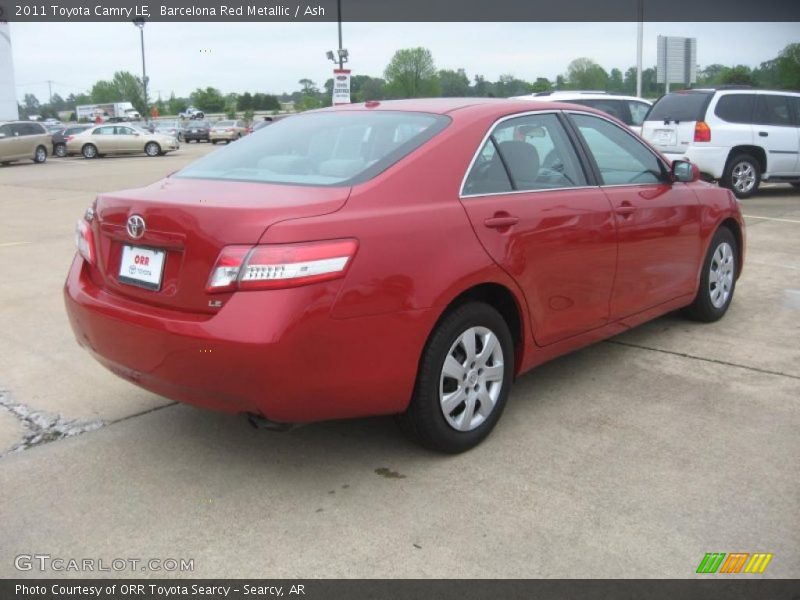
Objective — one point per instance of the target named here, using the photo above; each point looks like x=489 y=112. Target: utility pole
x=140 y=24
x=50 y=90
x=639 y=42
x=341 y=56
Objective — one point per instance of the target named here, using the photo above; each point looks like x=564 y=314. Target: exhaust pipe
x=260 y=422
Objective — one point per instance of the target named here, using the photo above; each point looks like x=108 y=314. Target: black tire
x=60 y=150
x=730 y=177
x=40 y=155
x=152 y=149
x=89 y=151
x=424 y=420
x=703 y=308
x=796 y=185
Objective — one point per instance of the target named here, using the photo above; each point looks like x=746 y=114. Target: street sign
x=676 y=60
x=341 y=86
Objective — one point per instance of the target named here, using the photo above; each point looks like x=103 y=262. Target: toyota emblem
x=135 y=227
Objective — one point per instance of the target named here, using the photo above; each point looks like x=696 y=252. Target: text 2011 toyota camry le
x=408 y=257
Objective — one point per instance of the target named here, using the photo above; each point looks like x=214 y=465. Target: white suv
x=737 y=136
x=628 y=109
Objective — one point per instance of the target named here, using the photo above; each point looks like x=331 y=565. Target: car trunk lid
x=187 y=222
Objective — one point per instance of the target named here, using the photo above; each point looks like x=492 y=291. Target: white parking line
x=9 y=244
x=771 y=219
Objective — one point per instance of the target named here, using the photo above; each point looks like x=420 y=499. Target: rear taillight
x=68 y=138
x=84 y=240
x=702 y=132
x=280 y=266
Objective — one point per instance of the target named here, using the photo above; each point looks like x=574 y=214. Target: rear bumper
x=222 y=135
x=709 y=159
x=195 y=136
x=275 y=353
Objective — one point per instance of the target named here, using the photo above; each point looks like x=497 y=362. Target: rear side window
x=324 y=148
x=32 y=129
x=736 y=108
x=680 y=106
x=615 y=108
x=525 y=154
x=639 y=111
x=619 y=156
x=773 y=110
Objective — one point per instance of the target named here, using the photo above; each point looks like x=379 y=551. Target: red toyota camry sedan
x=408 y=258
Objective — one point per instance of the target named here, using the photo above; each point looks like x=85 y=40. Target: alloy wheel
x=743 y=177
x=721 y=274
x=471 y=379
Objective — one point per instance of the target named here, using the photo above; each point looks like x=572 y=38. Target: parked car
x=173 y=128
x=227 y=131
x=735 y=135
x=100 y=140
x=628 y=109
x=407 y=257
x=59 y=138
x=192 y=113
x=22 y=140
x=197 y=131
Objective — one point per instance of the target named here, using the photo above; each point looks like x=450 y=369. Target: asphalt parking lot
x=631 y=458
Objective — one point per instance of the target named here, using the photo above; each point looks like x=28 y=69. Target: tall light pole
x=339 y=9
x=639 y=43
x=139 y=22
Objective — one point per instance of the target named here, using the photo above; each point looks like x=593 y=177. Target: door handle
x=763 y=133
x=626 y=209
x=501 y=221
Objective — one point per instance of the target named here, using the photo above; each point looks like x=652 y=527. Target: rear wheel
x=89 y=151
x=742 y=175
x=718 y=279
x=40 y=155
x=60 y=150
x=463 y=381
x=152 y=149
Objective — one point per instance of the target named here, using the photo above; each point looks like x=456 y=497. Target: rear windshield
x=326 y=148
x=224 y=123
x=680 y=106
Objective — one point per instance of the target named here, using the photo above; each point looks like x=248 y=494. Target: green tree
x=309 y=88
x=455 y=84
x=616 y=83
x=245 y=102
x=412 y=74
x=508 y=85
x=482 y=88
x=585 y=74
x=209 y=100
x=788 y=67
x=738 y=75
x=31 y=105
x=176 y=105
x=542 y=84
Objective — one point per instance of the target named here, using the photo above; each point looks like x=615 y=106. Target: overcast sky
x=269 y=57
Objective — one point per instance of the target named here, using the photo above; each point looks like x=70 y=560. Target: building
x=8 y=91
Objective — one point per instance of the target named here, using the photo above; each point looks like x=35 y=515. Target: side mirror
x=684 y=171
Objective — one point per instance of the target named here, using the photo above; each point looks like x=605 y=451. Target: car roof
x=496 y=107
x=570 y=96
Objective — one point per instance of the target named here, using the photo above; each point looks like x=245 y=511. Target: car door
x=21 y=141
x=776 y=131
x=534 y=209
x=658 y=221
x=127 y=140
x=104 y=139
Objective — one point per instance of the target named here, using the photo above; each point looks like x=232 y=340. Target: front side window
x=620 y=157
x=525 y=154
x=325 y=148
x=773 y=110
x=104 y=131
